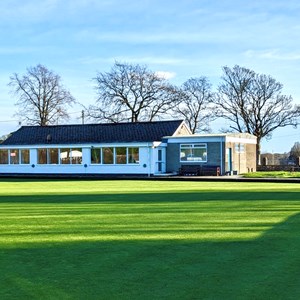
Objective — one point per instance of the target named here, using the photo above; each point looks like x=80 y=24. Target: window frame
x=23 y=156
x=17 y=156
x=76 y=160
x=132 y=155
x=69 y=160
x=119 y=160
x=99 y=150
x=39 y=152
x=50 y=156
x=110 y=154
x=4 y=157
x=192 y=147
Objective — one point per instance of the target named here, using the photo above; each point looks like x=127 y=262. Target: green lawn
x=149 y=240
x=272 y=174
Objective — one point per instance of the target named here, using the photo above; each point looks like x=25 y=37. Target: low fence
x=287 y=168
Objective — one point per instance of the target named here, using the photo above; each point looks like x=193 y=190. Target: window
x=159 y=158
x=115 y=155
x=121 y=155
x=56 y=156
x=76 y=156
x=96 y=155
x=159 y=153
x=14 y=157
x=42 y=156
x=3 y=157
x=193 y=153
x=53 y=156
x=65 y=156
x=108 y=155
x=133 y=155
x=25 y=156
x=159 y=167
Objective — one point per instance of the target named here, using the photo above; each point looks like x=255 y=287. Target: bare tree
x=253 y=103
x=131 y=93
x=42 y=100
x=195 y=104
x=295 y=153
x=4 y=137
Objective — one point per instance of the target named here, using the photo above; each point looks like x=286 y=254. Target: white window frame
x=115 y=156
x=191 y=147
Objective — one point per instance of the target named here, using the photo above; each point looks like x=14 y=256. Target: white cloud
x=27 y=10
x=272 y=54
x=17 y=50
x=165 y=74
x=148 y=60
x=130 y=37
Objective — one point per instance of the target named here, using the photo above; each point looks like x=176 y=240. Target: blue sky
x=182 y=38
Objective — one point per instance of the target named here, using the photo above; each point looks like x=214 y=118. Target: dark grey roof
x=93 y=133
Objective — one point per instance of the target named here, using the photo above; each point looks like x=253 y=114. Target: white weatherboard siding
x=147 y=164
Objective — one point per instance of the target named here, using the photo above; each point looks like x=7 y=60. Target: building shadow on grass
x=184 y=196
x=267 y=267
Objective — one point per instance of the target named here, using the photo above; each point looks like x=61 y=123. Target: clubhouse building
x=144 y=148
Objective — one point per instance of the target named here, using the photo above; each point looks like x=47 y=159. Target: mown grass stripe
x=149 y=240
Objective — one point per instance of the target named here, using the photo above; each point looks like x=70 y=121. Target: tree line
x=251 y=103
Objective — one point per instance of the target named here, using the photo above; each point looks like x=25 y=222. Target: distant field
x=149 y=240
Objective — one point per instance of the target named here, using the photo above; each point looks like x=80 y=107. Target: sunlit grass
x=148 y=240
x=272 y=174
x=106 y=211
x=108 y=221
x=69 y=187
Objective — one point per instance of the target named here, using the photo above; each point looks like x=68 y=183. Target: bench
x=208 y=170
x=199 y=170
x=189 y=170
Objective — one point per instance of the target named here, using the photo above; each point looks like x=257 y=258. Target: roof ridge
x=103 y=124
